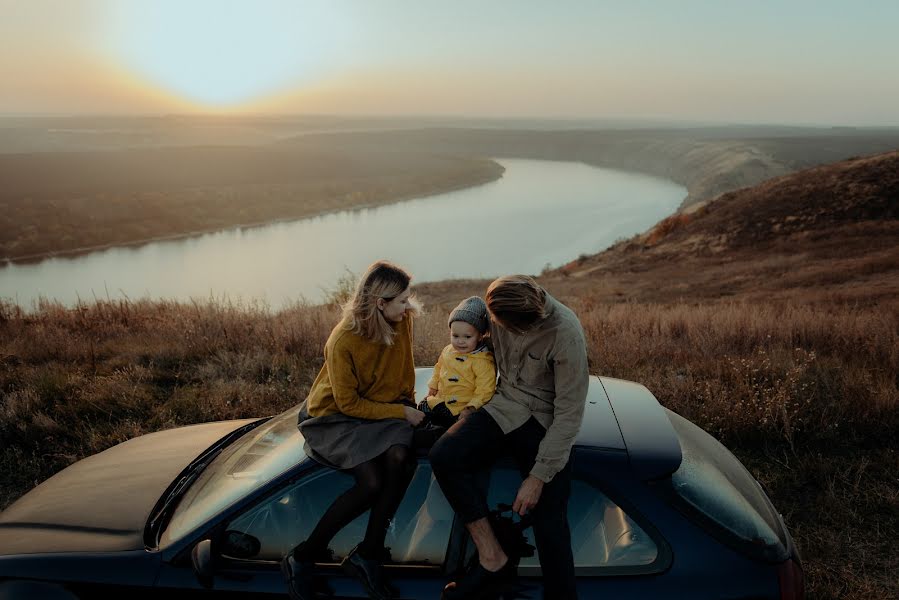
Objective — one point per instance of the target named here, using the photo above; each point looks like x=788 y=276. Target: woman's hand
x=413 y=415
x=466 y=412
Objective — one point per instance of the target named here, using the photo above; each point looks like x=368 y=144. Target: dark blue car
x=659 y=509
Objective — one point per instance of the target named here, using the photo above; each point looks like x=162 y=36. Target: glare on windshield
x=252 y=461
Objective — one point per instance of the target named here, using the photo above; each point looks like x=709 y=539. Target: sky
x=788 y=62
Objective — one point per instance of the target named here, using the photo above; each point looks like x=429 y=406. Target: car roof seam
x=617 y=422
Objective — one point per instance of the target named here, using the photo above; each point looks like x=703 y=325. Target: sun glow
x=225 y=54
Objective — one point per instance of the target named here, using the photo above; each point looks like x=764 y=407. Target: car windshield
x=253 y=460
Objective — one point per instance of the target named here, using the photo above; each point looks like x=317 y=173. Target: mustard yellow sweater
x=362 y=378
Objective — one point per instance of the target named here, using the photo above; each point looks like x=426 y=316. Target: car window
x=716 y=484
x=602 y=534
x=419 y=534
x=253 y=460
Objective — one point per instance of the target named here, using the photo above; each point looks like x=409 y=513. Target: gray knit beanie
x=472 y=310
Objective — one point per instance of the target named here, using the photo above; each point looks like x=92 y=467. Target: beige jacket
x=543 y=374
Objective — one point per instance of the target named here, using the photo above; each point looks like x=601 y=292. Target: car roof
x=651 y=441
x=620 y=416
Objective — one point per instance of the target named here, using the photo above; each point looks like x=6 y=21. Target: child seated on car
x=464 y=377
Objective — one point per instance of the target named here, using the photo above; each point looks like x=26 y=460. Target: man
x=535 y=415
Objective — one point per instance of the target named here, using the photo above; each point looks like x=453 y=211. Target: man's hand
x=528 y=495
x=466 y=412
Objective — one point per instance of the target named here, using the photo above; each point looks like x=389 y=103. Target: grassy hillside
x=828 y=234
x=770 y=318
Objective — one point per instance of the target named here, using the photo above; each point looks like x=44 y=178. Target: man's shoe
x=299 y=577
x=481 y=583
x=369 y=572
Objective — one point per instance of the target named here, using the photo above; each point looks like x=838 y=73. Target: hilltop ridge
x=862 y=190
x=827 y=231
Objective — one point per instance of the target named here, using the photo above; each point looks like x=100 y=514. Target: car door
x=423 y=539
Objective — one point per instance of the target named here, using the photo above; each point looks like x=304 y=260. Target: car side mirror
x=240 y=545
x=204 y=567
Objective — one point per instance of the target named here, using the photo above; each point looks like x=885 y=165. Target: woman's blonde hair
x=382 y=280
x=516 y=301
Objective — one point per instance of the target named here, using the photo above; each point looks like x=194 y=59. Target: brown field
x=805 y=395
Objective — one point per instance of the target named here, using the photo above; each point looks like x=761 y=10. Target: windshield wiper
x=187 y=477
x=178 y=490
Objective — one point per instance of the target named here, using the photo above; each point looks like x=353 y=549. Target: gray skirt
x=343 y=442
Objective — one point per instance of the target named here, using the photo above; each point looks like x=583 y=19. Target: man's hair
x=516 y=301
x=361 y=315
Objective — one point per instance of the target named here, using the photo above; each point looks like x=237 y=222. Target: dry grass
x=666 y=226
x=754 y=371
x=805 y=395
x=77 y=381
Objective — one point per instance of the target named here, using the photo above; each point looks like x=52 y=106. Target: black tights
x=380 y=486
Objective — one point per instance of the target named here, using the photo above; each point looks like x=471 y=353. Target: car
x=658 y=509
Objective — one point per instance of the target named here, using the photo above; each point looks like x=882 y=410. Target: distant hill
x=829 y=234
x=827 y=231
x=73 y=202
x=72 y=184
x=708 y=161
x=820 y=200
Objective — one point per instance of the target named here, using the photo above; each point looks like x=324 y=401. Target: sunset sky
x=798 y=61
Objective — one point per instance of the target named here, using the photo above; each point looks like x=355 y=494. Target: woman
x=358 y=417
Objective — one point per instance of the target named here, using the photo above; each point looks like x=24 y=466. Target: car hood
x=102 y=503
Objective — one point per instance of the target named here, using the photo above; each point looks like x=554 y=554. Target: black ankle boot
x=299 y=576
x=305 y=553
x=298 y=569
x=480 y=583
x=369 y=572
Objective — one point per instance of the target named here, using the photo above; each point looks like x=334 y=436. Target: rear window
x=605 y=540
x=714 y=484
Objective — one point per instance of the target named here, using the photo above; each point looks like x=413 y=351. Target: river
x=539 y=214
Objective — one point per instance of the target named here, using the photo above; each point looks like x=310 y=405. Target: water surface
x=539 y=214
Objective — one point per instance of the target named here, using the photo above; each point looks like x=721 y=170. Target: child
x=465 y=374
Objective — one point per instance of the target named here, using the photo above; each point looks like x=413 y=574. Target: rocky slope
x=828 y=231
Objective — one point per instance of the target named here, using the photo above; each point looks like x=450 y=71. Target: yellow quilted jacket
x=463 y=380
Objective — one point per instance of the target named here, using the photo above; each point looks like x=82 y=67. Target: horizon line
x=445 y=117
